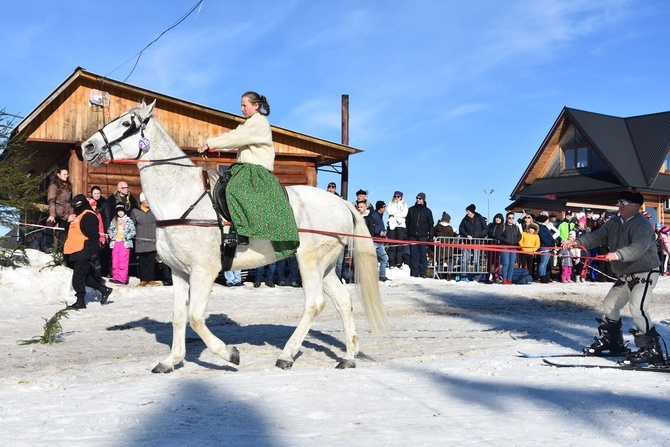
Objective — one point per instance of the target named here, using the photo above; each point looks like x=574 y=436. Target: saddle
x=229 y=240
x=219 y=192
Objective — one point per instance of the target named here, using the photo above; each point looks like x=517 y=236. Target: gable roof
x=633 y=149
x=63 y=119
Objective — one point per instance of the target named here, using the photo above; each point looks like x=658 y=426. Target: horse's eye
x=126 y=124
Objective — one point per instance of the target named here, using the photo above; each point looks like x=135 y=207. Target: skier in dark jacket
x=420 y=227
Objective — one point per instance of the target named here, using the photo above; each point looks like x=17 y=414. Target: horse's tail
x=367 y=274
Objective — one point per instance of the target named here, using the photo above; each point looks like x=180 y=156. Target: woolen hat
x=541 y=218
x=120 y=206
x=446 y=217
x=397 y=193
x=361 y=191
x=633 y=197
x=421 y=196
x=379 y=205
x=332 y=185
x=664 y=229
x=471 y=208
x=78 y=200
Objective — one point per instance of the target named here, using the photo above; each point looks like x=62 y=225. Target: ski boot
x=650 y=349
x=610 y=340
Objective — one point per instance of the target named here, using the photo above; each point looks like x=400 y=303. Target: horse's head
x=121 y=139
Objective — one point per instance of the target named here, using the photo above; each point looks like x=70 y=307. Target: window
x=666 y=165
x=575 y=158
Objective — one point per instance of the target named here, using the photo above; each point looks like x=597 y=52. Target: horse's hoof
x=234 y=356
x=283 y=364
x=346 y=364
x=161 y=368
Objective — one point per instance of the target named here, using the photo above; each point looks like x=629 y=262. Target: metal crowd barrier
x=457 y=262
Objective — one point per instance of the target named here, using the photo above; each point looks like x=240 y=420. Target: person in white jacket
x=397 y=228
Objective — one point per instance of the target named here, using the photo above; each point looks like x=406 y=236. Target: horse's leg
x=312 y=285
x=201 y=288
x=179 y=319
x=343 y=303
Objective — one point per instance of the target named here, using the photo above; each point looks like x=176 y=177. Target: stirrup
x=235 y=239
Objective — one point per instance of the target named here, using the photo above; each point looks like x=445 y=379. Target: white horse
x=172 y=183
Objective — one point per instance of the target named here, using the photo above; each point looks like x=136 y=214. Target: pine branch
x=13 y=256
x=52 y=329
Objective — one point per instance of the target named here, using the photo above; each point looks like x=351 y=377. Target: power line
x=139 y=55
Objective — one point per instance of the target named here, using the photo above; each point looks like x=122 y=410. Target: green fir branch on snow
x=52 y=330
x=13 y=256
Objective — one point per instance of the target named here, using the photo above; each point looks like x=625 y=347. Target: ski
x=649 y=368
x=572 y=354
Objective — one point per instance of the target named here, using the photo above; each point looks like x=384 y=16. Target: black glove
x=97 y=268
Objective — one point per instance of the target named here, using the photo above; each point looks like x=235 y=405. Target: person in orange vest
x=82 y=245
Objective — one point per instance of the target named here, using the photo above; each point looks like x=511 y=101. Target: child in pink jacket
x=121 y=233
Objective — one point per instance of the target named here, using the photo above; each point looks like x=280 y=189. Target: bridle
x=144 y=145
x=133 y=129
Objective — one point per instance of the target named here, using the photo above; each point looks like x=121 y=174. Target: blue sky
x=446 y=97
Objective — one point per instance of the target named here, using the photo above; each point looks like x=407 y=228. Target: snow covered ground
x=448 y=375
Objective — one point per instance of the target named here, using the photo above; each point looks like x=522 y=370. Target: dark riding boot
x=233 y=238
x=610 y=340
x=650 y=348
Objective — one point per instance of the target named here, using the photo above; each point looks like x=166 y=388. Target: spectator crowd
x=528 y=246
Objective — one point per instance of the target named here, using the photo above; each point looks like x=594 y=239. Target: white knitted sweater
x=252 y=139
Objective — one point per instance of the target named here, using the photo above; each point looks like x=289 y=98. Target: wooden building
x=85 y=102
x=588 y=158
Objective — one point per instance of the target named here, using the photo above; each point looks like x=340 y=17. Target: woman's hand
x=203 y=148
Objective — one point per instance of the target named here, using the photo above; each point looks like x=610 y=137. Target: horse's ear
x=147 y=110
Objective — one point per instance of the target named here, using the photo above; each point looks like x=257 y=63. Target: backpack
x=521 y=276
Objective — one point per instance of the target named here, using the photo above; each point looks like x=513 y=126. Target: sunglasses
x=623 y=202
x=510 y=218
x=397 y=197
x=527 y=217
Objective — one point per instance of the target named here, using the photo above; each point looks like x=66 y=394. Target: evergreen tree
x=18 y=190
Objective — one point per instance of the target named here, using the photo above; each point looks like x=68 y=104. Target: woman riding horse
x=258 y=206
